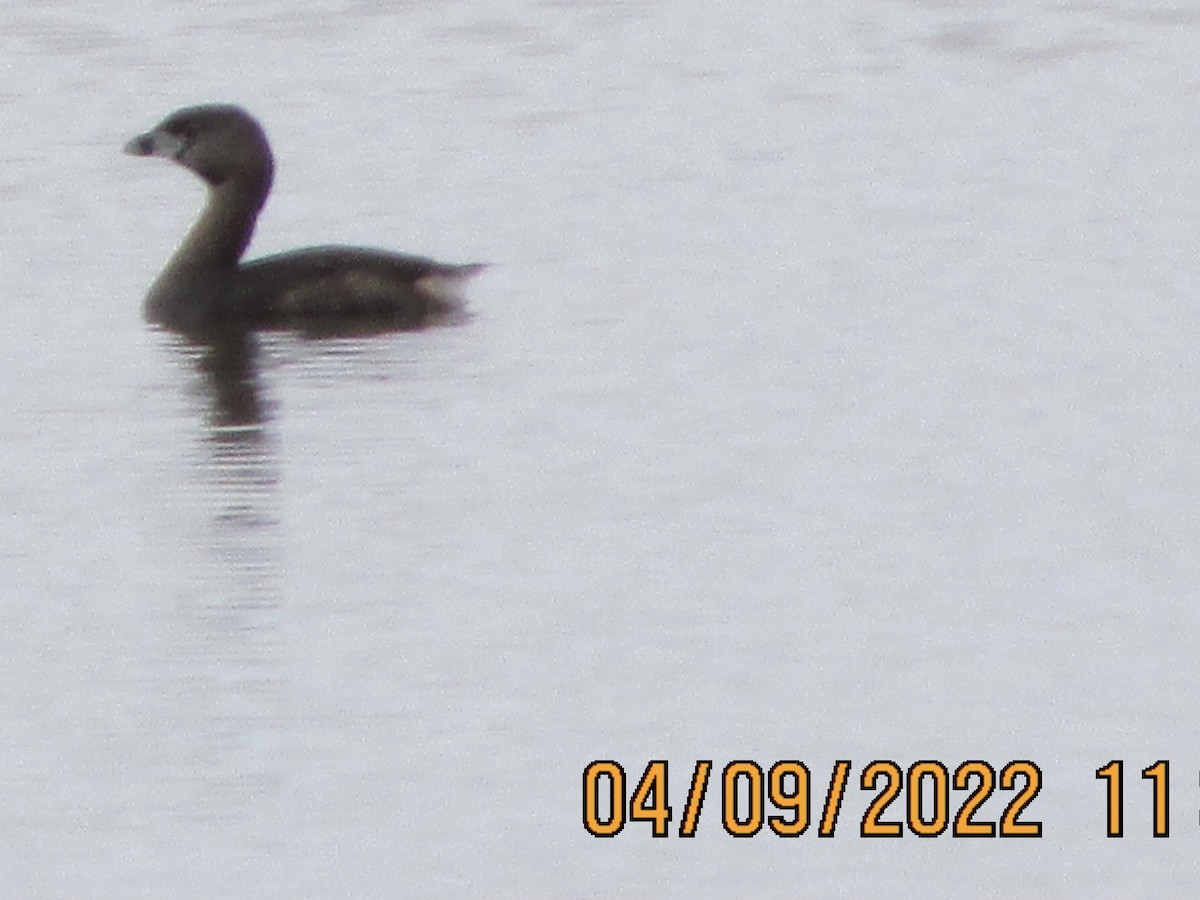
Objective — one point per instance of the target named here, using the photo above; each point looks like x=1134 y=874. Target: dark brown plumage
x=321 y=288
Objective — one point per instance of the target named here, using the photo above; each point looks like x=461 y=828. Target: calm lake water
x=833 y=397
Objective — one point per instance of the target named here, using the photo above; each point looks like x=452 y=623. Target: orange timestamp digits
x=781 y=799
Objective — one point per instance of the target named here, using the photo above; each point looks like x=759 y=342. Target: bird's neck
x=199 y=275
x=223 y=231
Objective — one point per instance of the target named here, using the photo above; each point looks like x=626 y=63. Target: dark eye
x=184 y=130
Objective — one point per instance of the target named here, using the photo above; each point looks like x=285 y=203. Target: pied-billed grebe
x=320 y=287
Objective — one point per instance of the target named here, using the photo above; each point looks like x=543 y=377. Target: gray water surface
x=833 y=397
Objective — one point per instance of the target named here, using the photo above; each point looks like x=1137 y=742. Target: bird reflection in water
x=238 y=468
x=228 y=361
x=227 y=597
